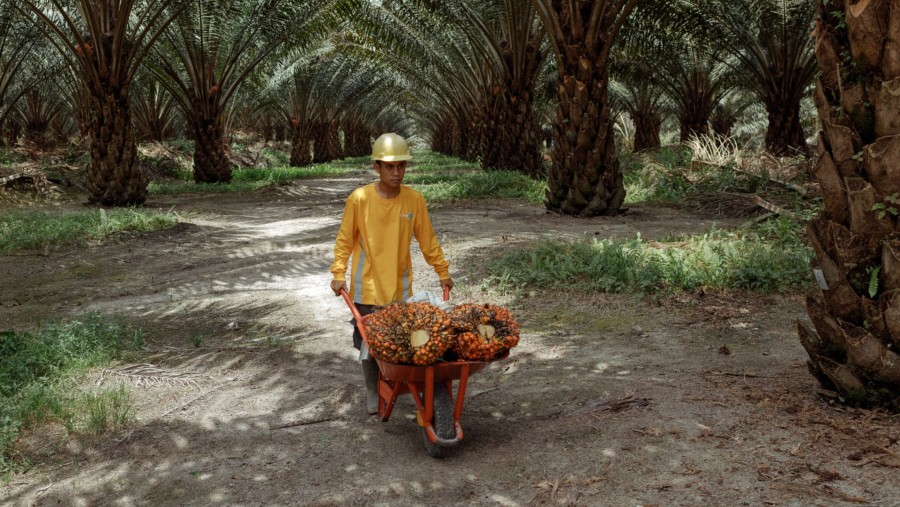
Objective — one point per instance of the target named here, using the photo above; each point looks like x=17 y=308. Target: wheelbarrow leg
x=387 y=396
x=461 y=393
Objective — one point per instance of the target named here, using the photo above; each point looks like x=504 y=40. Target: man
x=379 y=222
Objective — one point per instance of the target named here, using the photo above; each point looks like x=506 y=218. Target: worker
x=379 y=222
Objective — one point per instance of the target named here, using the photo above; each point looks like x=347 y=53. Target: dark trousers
x=363 y=310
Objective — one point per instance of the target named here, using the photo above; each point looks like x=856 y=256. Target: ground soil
x=248 y=392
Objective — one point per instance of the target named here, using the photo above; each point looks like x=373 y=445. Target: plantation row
x=481 y=80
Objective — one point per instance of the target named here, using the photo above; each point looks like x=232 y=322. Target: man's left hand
x=448 y=283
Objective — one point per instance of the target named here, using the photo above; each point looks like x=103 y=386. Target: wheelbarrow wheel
x=443 y=423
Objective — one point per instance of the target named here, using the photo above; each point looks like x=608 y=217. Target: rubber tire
x=444 y=426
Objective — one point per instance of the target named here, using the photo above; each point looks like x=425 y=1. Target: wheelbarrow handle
x=355 y=311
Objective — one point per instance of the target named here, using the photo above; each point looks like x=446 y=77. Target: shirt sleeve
x=428 y=242
x=346 y=239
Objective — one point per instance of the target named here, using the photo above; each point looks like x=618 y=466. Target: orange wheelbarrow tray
x=441 y=427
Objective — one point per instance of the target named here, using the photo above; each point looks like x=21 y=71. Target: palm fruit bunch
x=484 y=331
x=409 y=333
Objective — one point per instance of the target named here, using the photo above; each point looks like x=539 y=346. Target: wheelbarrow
x=431 y=388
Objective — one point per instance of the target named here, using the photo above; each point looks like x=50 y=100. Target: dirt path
x=251 y=395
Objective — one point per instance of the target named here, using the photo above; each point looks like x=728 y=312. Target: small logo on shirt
x=407 y=216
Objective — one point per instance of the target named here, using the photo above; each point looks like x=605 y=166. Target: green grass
x=448 y=186
x=768 y=259
x=651 y=182
x=430 y=161
x=444 y=178
x=9 y=157
x=40 y=373
x=29 y=230
x=662 y=177
x=438 y=177
x=255 y=178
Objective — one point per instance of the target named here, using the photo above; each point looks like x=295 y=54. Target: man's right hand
x=337 y=285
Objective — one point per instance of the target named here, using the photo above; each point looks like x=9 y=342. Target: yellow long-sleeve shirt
x=378 y=233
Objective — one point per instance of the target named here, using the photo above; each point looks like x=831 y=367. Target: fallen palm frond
x=724 y=152
x=29 y=185
x=330 y=409
x=772 y=208
x=148 y=375
x=724 y=204
x=715 y=150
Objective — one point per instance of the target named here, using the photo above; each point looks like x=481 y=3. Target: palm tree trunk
x=211 y=163
x=722 y=124
x=512 y=134
x=784 y=135
x=478 y=132
x=647 y=126
x=301 y=156
x=320 y=143
x=584 y=178
x=326 y=143
x=442 y=142
x=855 y=334
x=460 y=134
x=693 y=123
x=357 y=140
x=36 y=135
x=114 y=178
x=334 y=140
x=11 y=134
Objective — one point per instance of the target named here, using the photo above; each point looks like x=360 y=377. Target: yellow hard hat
x=390 y=148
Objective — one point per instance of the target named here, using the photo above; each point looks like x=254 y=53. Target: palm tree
x=696 y=83
x=212 y=49
x=646 y=104
x=584 y=178
x=729 y=109
x=856 y=315
x=40 y=107
x=510 y=36
x=106 y=41
x=425 y=44
x=767 y=44
x=472 y=67
x=18 y=39
x=155 y=113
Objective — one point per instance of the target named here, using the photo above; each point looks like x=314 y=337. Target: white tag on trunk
x=820 y=278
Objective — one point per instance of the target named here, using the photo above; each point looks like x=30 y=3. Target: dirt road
x=250 y=394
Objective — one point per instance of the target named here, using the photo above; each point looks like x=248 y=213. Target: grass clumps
x=254 y=178
x=40 y=373
x=450 y=186
x=33 y=230
x=770 y=259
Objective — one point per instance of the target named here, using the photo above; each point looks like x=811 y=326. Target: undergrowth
x=438 y=177
x=669 y=176
x=31 y=230
x=768 y=258
x=448 y=186
x=254 y=178
x=9 y=157
x=40 y=375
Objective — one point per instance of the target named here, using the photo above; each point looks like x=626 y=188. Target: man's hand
x=448 y=283
x=337 y=285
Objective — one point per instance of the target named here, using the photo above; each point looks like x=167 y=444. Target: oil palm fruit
x=409 y=333
x=483 y=331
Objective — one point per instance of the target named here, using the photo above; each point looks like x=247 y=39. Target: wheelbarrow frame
x=395 y=380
